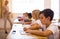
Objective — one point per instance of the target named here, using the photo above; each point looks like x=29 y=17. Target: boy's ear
x=48 y=18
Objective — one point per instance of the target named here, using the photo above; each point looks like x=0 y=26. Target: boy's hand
x=27 y=30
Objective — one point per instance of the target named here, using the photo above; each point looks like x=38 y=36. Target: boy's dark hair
x=48 y=13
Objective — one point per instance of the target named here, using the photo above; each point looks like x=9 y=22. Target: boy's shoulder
x=52 y=24
x=53 y=27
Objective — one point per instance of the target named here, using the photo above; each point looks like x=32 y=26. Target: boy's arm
x=37 y=32
x=27 y=22
x=34 y=26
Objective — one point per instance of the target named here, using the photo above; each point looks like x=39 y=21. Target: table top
x=17 y=32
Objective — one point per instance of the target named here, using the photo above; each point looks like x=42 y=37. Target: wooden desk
x=18 y=33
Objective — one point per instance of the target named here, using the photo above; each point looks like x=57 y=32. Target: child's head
x=29 y=15
x=6 y=2
x=46 y=16
x=25 y=14
x=35 y=14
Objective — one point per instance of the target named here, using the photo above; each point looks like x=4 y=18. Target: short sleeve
x=52 y=28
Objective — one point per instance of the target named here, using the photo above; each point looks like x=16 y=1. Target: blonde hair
x=36 y=13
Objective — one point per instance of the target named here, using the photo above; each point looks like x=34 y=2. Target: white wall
x=55 y=8
x=47 y=3
x=21 y=6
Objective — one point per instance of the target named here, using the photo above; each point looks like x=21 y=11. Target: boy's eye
x=41 y=17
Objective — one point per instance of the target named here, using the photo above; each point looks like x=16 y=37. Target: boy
x=51 y=30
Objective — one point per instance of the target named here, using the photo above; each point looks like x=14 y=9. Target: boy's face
x=43 y=19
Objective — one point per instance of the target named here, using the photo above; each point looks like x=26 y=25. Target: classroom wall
x=15 y=15
x=47 y=4
x=59 y=10
x=0 y=7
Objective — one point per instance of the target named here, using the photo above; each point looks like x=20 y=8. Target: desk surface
x=18 y=33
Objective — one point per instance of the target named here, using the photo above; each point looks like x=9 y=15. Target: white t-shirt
x=40 y=24
x=36 y=21
x=54 y=30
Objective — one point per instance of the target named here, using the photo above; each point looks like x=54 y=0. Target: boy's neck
x=48 y=24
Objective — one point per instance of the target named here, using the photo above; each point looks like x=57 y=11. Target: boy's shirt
x=54 y=30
